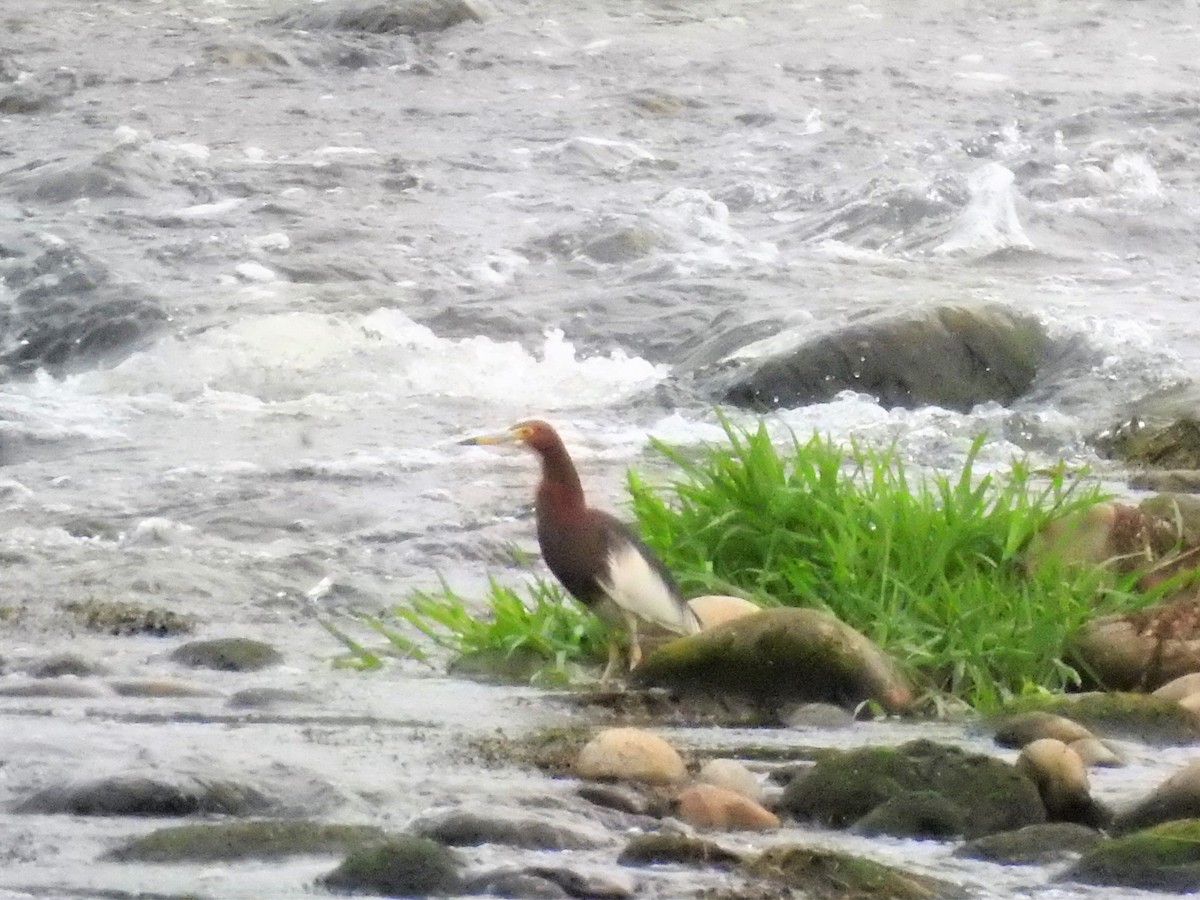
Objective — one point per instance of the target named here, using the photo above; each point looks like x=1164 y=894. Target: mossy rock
x=842 y=789
x=915 y=814
x=1033 y=845
x=829 y=875
x=778 y=657
x=135 y=795
x=123 y=619
x=950 y=356
x=231 y=841
x=401 y=867
x=521 y=666
x=1173 y=446
x=1163 y=858
x=227 y=655
x=655 y=848
x=552 y=750
x=1141 y=717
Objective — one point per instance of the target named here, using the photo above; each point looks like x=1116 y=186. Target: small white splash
x=210 y=210
x=989 y=222
x=275 y=242
x=602 y=153
x=257 y=272
x=156 y=531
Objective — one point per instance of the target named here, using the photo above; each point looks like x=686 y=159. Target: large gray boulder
x=949 y=356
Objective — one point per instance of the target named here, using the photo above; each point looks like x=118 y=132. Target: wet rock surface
x=778 y=657
x=955 y=357
x=137 y=795
x=989 y=795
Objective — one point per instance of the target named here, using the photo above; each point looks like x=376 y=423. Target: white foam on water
x=294 y=356
x=989 y=222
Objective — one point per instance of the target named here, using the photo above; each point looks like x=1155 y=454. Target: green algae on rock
x=227 y=841
x=1032 y=845
x=658 y=847
x=780 y=656
x=1163 y=858
x=829 y=875
x=405 y=866
x=227 y=655
x=842 y=789
x=1142 y=717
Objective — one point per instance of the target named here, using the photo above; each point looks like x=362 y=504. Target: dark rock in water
x=1033 y=845
x=623 y=798
x=463 y=828
x=600 y=885
x=230 y=841
x=1176 y=798
x=117 y=617
x=1141 y=717
x=67 y=313
x=829 y=875
x=915 y=814
x=656 y=848
x=841 y=789
x=513 y=883
x=955 y=357
x=132 y=795
x=228 y=655
x=63 y=664
x=401 y=867
x=1164 y=858
x=396 y=17
x=159 y=687
x=1172 y=446
x=1019 y=729
x=777 y=657
x=68 y=686
x=264 y=697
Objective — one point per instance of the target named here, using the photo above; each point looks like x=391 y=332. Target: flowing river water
x=261 y=272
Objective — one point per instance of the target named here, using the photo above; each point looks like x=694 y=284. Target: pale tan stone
x=732 y=776
x=716 y=609
x=1181 y=687
x=1094 y=752
x=709 y=806
x=631 y=754
x=1059 y=774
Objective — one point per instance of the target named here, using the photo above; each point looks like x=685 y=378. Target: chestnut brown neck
x=560 y=492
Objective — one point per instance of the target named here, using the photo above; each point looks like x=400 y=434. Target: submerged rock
x=1176 y=798
x=227 y=655
x=395 y=17
x=777 y=657
x=829 y=875
x=67 y=312
x=1033 y=845
x=1163 y=858
x=630 y=754
x=952 y=356
x=465 y=828
x=1019 y=729
x=228 y=841
x=401 y=867
x=656 y=848
x=1126 y=715
x=120 y=618
x=513 y=883
x=915 y=814
x=134 y=795
x=60 y=664
x=843 y=788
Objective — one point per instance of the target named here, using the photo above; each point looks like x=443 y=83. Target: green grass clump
x=545 y=624
x=927 y=567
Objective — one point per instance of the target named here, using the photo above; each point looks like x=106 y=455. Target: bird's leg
x=635 y=649
x=614 y=660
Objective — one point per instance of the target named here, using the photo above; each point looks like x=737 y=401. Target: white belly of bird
x=636 y=588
